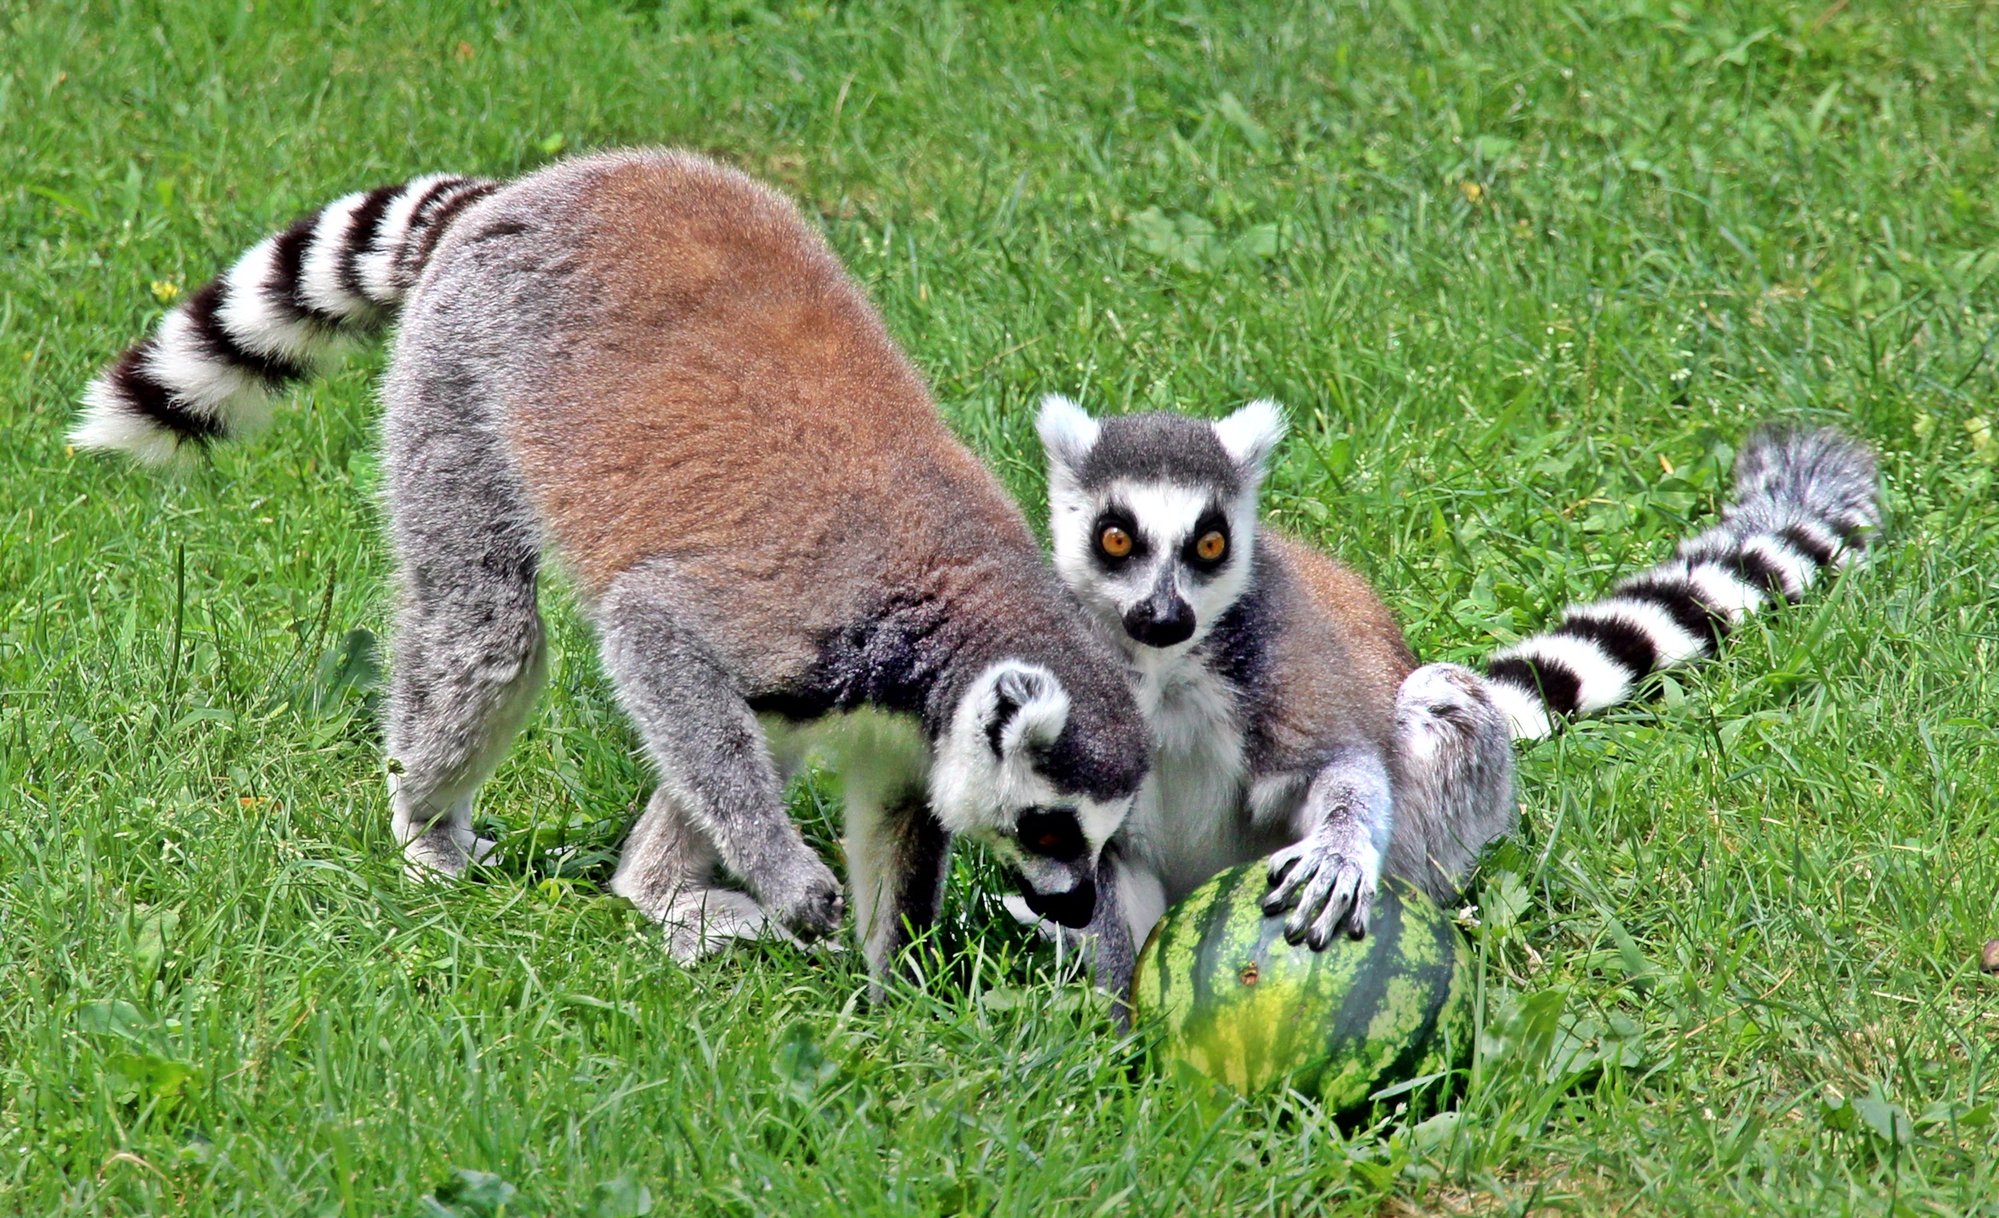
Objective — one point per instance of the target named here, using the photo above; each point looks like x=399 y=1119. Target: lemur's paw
x=804 y=897
x=427 y=867
x=703 y=921
x=443 y=854
x=1325 y=886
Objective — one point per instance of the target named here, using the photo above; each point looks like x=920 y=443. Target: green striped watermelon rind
x=1238 y=1006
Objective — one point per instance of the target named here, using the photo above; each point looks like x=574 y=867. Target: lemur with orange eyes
x=651 y=367
x=1288 y=715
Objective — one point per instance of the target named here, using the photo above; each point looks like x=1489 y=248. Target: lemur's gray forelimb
x=1115 y=955
x=1327 y=878
x=710 y=752
x=1449 y=796
x=1425 y=819
x=668 y=871
x=1106 y=947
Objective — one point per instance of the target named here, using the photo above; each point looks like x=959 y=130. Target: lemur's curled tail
x=1805 y=501
x=209 y=371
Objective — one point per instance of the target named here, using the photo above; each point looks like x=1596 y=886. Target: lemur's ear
x=1067 y=434
x=1251 y=434
x=1026 y=706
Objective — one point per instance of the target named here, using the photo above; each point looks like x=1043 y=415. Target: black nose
x=1071 y=909
x=1160 y=621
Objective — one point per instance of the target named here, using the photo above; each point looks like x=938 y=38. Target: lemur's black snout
x=1071 y=909
x=1160 y=620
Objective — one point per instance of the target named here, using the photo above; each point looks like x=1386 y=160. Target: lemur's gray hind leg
x=469 y=652
x=711 y=756
x=1454 y=784
x=668 y=870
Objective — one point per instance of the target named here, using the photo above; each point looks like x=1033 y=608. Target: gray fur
x=1327 y=878
x=468 y=646
x=910 y=854
x=1454 y=781
x=1167 y=446
x=1110 y=948
x=670 y=870
x=1785 y=475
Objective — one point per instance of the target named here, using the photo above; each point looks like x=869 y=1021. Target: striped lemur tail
x=1805 y=502
x=208 y=373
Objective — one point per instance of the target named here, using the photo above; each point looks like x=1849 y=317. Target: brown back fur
x=730 y=403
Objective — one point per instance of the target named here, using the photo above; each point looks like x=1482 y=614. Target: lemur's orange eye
x=1114 y=541
x=1212 y=546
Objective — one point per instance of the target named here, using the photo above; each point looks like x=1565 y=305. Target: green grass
x=1521 y=271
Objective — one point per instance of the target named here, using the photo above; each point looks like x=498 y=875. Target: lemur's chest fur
x=1207 y=804
x=1191 y=818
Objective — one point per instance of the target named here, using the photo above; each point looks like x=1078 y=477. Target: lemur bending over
x=1288 y=716
x=650 y=365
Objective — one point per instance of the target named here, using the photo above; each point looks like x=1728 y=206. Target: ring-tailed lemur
x=650 y=365
x=1288 y=715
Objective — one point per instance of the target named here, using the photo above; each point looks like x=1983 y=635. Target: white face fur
x=986 y=783
x=1158 y=561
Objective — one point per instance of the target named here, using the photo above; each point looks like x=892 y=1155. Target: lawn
x=1521 y=273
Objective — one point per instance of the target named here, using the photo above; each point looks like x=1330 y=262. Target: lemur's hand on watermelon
x=1327 y=882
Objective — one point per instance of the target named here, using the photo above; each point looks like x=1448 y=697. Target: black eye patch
x=1115 y=520
x=1214 y=520
x=1051 y=833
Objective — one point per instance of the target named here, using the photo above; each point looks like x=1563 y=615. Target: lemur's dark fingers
x=1291 y=881
x=1340 y=899
x=810 y=905
x=1363 y=905
x=1326 y=873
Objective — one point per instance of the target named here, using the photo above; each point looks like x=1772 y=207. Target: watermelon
x=1237 y=1005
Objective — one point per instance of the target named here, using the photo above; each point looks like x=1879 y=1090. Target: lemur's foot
x=444 y=854
x=704 y=921
x=1327 y=885
x=1442 y=706
x=801 y=894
